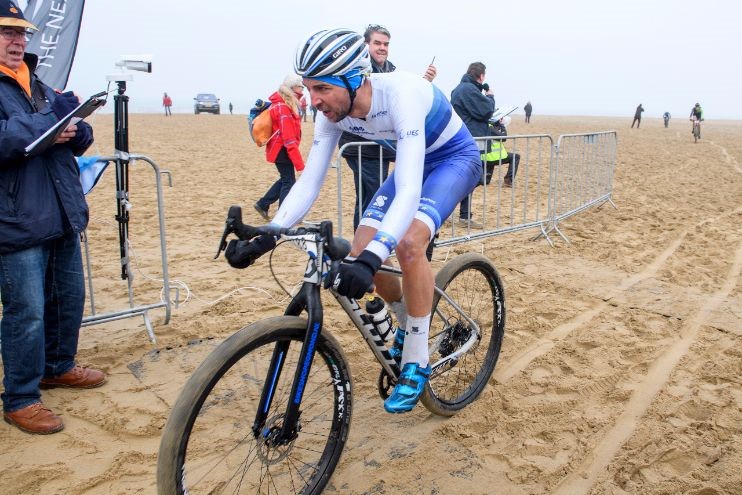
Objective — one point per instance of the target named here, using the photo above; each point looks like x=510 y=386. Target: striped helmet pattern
x=334 y=52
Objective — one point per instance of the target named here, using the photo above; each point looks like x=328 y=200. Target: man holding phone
x=373 y=165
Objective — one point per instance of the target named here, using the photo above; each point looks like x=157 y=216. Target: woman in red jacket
x=283 y=147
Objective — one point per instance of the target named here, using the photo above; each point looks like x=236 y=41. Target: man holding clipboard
x=66 y=123
x=42 y=212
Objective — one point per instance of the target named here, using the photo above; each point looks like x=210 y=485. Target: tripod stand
x=123 y=160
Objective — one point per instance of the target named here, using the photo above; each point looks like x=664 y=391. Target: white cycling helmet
x=334 y=52
x=335 y=56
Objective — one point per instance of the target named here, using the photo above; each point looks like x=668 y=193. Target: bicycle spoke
x=217 y=462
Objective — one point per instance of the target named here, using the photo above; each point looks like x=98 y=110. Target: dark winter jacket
x=41 y=197
x=474 y=108
x=368 y=151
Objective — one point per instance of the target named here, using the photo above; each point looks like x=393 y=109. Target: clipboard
x=502 y=112
x=46 y=140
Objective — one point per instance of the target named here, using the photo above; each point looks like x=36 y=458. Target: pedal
x=385 y=383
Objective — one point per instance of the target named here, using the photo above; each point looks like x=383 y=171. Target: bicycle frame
x=308 y=297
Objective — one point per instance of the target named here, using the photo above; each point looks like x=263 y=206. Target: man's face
x=12 y=46
x=333 y=101
x=378 y=47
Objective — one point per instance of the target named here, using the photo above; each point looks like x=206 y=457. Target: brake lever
x=223 y=241
x=233 y=217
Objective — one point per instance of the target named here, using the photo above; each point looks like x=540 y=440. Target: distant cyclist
x=437 y=165
x=696 y=114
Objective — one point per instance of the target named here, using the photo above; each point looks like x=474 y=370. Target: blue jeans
x=43 y=296
x=370 y=182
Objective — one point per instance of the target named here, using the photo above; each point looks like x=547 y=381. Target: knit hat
x=11 y=15
x=291 y=80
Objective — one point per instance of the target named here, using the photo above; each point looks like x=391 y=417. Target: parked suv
x=206 y=102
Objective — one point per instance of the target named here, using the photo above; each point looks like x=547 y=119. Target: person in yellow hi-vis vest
x=498 y=155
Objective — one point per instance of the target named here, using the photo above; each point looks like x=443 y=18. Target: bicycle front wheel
x=472 y=282
x=210 y=443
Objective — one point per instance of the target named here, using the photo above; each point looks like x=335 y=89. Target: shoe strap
x=409 y=382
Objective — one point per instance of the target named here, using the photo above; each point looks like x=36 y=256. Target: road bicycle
x=269 y=409
x=696 y=129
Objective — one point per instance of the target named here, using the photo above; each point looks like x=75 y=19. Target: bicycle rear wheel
x=473 y=283
x=210 y=445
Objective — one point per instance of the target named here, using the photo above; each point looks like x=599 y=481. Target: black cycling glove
x=356 y=278
x=64 y=103
x=241 y=254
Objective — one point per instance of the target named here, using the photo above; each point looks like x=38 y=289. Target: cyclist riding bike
x=437 y=165
x=696 y=116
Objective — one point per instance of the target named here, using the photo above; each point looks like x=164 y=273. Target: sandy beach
x=621 y=367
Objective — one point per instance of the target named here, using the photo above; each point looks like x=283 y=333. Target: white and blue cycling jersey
x=438 y=162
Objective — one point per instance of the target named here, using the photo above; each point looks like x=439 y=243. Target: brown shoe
x=77 y=377
x=35 y=419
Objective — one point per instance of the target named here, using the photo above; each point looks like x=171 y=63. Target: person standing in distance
x=42 y=213
x=528 y=108
x=437 y=165
x=374 y=163
x=637 y=116
x=167 y=102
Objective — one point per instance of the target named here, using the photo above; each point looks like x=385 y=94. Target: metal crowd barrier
x=551 y=184
x=340 y=167
x=584 y=166
x=501 y=208
x=122 y=162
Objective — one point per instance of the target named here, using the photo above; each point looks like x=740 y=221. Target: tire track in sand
x=580 y=480
x=520 y=361
x=727 y=157
x=543 y=345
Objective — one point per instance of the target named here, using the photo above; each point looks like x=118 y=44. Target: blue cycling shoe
x=407 y=391
x=396 y=351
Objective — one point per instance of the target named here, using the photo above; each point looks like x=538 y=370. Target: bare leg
x=418 y=281
x=388 y=286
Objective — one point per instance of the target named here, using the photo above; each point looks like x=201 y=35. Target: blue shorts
x=445 y=183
